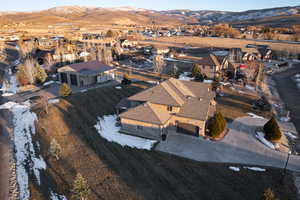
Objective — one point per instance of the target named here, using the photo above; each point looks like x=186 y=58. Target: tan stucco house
x=86 y=73
x=172 y=106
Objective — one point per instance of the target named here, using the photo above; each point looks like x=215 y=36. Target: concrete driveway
x=239 y=146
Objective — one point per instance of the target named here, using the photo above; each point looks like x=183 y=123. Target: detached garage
x=86 y=73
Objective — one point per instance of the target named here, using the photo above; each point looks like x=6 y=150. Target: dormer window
x=170 y=108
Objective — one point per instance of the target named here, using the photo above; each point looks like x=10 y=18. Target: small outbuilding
x=86 y=73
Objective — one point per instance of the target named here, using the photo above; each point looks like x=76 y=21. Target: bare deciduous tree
x=158 y=64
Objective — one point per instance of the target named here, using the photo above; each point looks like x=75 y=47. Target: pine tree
x=81 y=188
x=218 y=125
x=55 y=149
x=40 y=74
x=65 y=90
x=197 y=74
x=272 y=130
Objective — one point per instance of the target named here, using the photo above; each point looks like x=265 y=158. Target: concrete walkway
x=239 y=146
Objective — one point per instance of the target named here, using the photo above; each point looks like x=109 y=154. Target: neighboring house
x=210 y=66
x=86 y=73
x=251 y=54
x=173 y=105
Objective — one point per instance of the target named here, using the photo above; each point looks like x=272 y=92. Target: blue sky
x=227 y=5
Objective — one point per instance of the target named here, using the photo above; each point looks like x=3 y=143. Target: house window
x=170 y=108
x=139 y=127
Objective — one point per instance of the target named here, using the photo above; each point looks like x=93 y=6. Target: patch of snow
x=55 y=196
x=175 y=60
x=236 y=169
x=290 y=135
x=261 y=137
x=8 y=94
x=250 y=88
x=255 y=116
x=153 y=82
x=220 y=53
x=107 y=129
x=53 y=101
x=257 y=169
x=48 y=83
x=118 y=87
x=83 y=54
x=84 y=90
x=208 y=81
x=10 y=86
x=25 y=155
x=285 y=119
x=185 y=76
x=225 y=83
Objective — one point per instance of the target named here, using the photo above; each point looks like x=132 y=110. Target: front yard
x=116 y=172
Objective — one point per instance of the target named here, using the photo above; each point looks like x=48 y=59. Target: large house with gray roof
x=172 y=106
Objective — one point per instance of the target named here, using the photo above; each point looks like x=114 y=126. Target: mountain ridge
x=132 y=15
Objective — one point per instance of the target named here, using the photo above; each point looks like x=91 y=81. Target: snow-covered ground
x=48 y=83
x=54 y=196
x=208 y=81
x=10 y=87
x=118 y=87
x=107 y=129
x=261 y=137
x=153 y=82
x=257 y=169
x=255 y=116
x=220 y=53
x=236 y=169
x=290 y=135
x=53 y=101
x=185 y=76
x=175 y=60
x=27 y=159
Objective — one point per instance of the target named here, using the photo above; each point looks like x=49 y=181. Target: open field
x=114 y=172
x=182 y=41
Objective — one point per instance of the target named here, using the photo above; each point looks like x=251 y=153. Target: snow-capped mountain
x=286 y=16
x=207 y=16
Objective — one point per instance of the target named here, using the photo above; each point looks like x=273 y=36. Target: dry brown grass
x=114 y=172
x=222 y=43
x=234 y=104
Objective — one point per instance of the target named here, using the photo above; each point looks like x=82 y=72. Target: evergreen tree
x=196 y=70
x=197 y=74
x=218 y=125
x=272 y=130
x=40 y=74
x=81 y=188
x=55 y=149
x=65 y=90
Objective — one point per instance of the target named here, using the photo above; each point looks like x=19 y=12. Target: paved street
x=239 y=146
